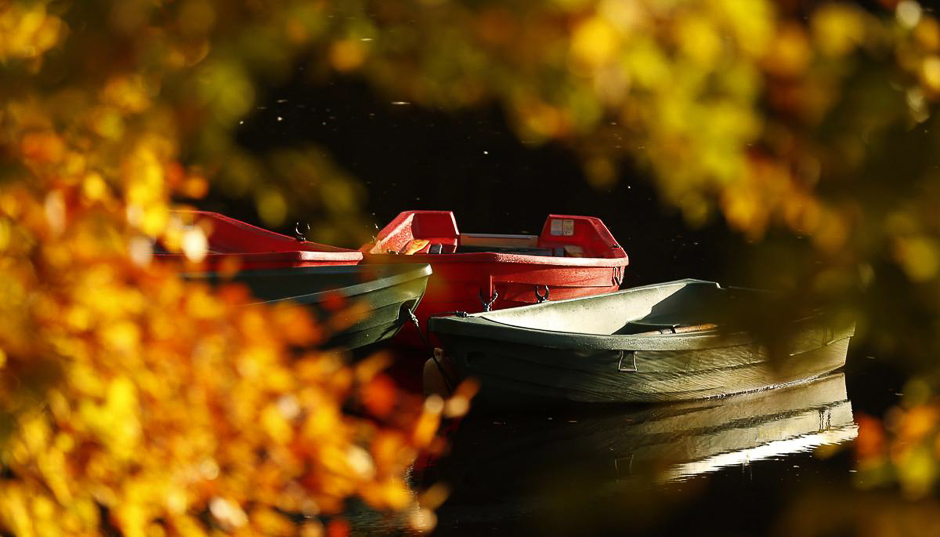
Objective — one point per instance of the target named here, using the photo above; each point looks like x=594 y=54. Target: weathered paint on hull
x=512 y=373
x=662 y=342
x=384 y=317
x=375 y=301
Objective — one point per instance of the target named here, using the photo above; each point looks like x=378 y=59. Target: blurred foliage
x=810 y=127
x=133 y=401
x=904 y=447
x=816 y=118
x=811 y=118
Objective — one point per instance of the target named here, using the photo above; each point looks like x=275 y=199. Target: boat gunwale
x=481 y=325
x=350 y=258
x=497 y=257
x=308 y=247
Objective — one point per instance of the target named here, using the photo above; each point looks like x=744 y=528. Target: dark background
x=470 y=162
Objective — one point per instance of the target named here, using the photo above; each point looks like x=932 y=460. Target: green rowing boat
x=663 y=342
x=366 y=304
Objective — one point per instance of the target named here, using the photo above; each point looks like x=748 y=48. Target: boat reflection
x=702 y=438
x=659 y=443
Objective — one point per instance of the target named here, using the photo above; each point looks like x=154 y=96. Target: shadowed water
x=523 y=462
x=719 y=466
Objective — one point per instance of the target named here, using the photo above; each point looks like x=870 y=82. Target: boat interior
x=435 y=232
x=670 y=308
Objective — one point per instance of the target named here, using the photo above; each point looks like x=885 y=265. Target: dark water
x=739 y=465
x=746 y=465
x=653 y=469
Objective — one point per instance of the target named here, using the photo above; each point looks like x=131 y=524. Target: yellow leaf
x=594 y=41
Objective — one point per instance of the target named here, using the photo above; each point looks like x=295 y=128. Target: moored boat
x=662 y=342
x=252 y=248
x=573 y=256
x=361 y=304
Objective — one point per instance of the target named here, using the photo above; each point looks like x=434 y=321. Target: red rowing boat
x=257 y=248
x=574 y=256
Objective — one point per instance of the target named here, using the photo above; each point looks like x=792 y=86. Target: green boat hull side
x=381 y=324
x=663 y=342
x=376 y=300
x=519 y=374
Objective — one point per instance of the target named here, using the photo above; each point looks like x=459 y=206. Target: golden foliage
x=27 y=31
x=905 y=447
x=129 y=398
x=172 y=405
x=127 y=388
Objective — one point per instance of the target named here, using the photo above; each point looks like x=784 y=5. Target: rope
x=448 y=382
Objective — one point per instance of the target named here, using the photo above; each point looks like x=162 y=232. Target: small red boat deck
x=258 y=248
x=574 y=256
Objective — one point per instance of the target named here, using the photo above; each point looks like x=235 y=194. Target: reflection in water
x=751 y=427
x=496 y=459
x=686 y=438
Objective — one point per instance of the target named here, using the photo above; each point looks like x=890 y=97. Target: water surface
x=738 y=465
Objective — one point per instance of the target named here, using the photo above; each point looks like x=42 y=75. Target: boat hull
x=361 y=305
x=525 y=356
x=520 y=375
